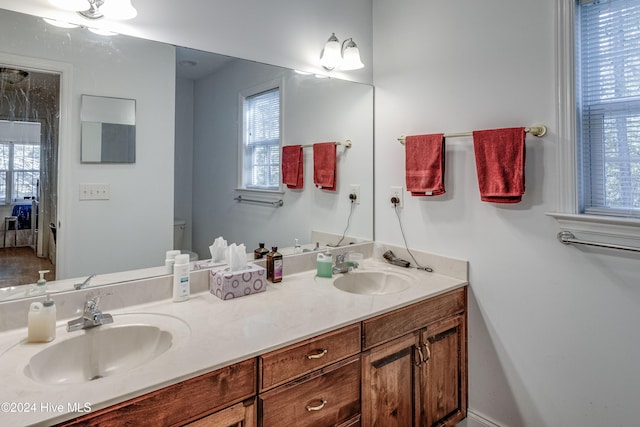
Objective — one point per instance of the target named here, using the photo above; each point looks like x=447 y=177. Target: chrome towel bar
x=567 y=238
x=346 y=143
x=274 y=203
x=536 y=130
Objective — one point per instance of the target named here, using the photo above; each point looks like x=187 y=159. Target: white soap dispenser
x=41 y=284
x=297 y=249
x=40 y=288
x=41 y=321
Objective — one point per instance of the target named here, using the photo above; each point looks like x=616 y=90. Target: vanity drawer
x=290 y=362
x=327 y=397
x=182 y=402
x=386 y=327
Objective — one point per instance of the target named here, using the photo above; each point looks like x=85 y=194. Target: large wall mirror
x=185 y=175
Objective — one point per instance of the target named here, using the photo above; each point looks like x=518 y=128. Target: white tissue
x=236 y=257
x=218 y=249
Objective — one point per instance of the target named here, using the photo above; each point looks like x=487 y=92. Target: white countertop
x=221 y=333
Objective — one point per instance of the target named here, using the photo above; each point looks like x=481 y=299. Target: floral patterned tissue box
x=227 y=284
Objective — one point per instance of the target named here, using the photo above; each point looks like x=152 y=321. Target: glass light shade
x=351 y=57
x=118 y=9
x=331 y=56
x=73 y=5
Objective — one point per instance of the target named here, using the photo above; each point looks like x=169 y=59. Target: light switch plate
x=95 y=191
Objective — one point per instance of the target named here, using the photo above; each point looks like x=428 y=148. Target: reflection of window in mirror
x=261 y=132
x=19 y=160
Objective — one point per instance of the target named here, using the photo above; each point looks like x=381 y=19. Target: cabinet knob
x=316 y=408
x=320 y=353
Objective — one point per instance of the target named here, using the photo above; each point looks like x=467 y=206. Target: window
x=608 y=107
x=19 y=160
x=261 y=140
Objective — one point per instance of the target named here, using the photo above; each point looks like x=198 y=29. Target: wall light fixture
x=345 y=57
x=96 y=9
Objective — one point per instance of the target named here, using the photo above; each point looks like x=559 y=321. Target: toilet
x=179 y=225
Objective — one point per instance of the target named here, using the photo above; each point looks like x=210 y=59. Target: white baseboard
x=475 y=419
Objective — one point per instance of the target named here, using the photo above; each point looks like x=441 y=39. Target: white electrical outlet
x=95 y=191
x=396 y=192
x=355 y=189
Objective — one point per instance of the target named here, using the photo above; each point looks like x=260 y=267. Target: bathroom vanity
x=302 y=353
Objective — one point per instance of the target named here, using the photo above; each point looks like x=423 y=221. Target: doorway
x=29 y=135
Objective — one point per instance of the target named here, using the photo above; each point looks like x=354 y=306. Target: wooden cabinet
x=419 y=378
x=328 y=397
x=404 y=368
x=239 y=415
x=312 y=383
x=181 y=403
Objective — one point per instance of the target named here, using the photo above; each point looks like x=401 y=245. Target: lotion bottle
x=181 y=279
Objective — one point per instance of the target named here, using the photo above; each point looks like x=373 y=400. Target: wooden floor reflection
x=20 y=266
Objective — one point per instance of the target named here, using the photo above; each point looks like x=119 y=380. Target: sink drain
x=97 y=377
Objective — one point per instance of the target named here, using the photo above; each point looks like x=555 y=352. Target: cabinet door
x=240 y=415
x=445 y=377
x=389 y=373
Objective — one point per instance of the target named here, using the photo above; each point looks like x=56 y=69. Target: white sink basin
x=106 y=350
x=372 y=282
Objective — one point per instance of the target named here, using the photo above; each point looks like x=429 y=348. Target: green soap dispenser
x=324 y=263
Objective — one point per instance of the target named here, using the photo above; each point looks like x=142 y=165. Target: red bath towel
x=500 y=159
x=324 y=165
x=424 y=164
x=292 y=166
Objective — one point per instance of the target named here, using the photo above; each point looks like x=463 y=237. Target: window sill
x=601 y=229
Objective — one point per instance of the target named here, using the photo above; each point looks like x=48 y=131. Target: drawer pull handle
x=426 y=347
x=321 y=352
x=316 y=408
x=420 y=357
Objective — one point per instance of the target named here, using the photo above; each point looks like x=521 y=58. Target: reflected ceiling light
x=59 y=24
x=345 y=57
x=102 y=32
x=96 y=9
x=12 y=75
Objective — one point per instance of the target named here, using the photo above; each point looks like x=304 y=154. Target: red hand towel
x=500 y=158
x=324 y=165
x=292 y=166
x=424 y=164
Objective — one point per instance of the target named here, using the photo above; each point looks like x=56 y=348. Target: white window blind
x=19 y=160
x=262 y=140
x=608 y=55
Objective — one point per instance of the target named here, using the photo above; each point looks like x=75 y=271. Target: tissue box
x=227 y=284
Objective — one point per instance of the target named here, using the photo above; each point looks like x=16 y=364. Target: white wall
x=553 y=335
x=184 y=124
x=282 y=32
x=314 y=111
x=133 y=228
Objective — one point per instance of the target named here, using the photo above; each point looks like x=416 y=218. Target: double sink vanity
x=381 y=345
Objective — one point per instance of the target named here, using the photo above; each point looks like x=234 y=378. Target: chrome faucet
x=85 y=283
x=343 y=266
x=91 y=317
